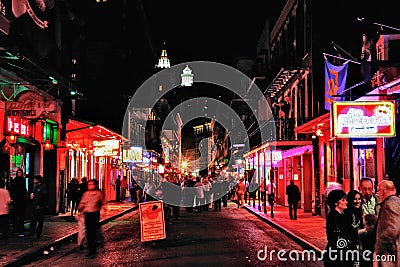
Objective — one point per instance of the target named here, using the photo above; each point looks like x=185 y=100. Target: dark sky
x=123 y=43
x=219 y=31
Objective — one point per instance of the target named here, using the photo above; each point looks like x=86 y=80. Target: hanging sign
x=363 y=119
x=152 y=223
x=30 y=105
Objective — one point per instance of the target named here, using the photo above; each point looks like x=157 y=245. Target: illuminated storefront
x=280 y=162
x=94 y=152
x=30 y=129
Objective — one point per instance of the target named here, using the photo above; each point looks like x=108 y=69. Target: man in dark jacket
x=19 y=198
x=39 y=202
x=293 y=193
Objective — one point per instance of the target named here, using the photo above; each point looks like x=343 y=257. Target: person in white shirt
x=149 y=190
x=199 y=190
x=5 y=201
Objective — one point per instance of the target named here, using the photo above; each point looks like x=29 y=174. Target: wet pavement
x=16 y=250
x=308 y=230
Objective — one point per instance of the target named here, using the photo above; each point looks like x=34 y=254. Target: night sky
x=122 y=45
x=130 y=48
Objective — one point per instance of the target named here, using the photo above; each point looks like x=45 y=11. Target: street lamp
x=11 y=139
x=47 y=145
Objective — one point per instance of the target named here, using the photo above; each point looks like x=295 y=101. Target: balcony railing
x=284 y=129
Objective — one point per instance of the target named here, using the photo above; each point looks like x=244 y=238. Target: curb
x=304 y=243
x=35 y=252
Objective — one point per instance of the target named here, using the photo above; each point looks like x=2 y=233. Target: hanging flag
x=335 y=82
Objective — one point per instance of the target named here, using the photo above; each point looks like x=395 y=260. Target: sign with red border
x=152 y=223
x=364 y=119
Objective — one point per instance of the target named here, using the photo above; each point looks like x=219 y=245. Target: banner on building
x=152 y=223
x=363 y=119
x=335 y=82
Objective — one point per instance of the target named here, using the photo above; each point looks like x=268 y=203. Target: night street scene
x=210 y=133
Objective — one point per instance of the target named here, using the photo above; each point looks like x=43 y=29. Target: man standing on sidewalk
x=5 y=201
x=39 y=202
x=387 y=226
x=369 y=199
x=293 y=193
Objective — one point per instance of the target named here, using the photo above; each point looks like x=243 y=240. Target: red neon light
x=18 y=125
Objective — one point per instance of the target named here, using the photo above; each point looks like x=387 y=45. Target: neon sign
x=106 y=148
x=134 y=154
x=18 y=125
x=363 y=119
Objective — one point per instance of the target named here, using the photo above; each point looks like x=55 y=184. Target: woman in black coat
x=354 y=216
x=337 y=231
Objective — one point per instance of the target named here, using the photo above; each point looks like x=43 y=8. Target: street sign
x=152 y=223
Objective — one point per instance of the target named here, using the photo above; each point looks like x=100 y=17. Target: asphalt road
x=233 y=237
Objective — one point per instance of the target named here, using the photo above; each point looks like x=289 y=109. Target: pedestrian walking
x=337 y=231
x=39 y=203
x=263 y=194
x=294 y=196
x=369 y=198
x=91 y=204
x=240 y=189
x=271 y=188
x=388 y=226
x=187 y=193
x=199 y=191
x=124 y=188
x=149 y=190
x=217 y=192
x=19 y=196
x=5 y=202
x=83 y=187
x=73 y=195
x=207 y=193
x=118 y=188
x=253 y=189
x=225 y=192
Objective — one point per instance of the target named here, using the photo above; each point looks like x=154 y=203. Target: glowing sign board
x=276 y=157
x=106 y=148
x=363 y=119
x=17 y=125
x=134 y=154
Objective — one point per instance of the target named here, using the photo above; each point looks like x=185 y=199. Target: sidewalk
x=308 y=230
x=15 y=250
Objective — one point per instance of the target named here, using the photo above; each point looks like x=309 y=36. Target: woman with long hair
x=354 y=216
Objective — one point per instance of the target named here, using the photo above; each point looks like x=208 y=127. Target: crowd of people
x=362 y=227
x=195 y=193
x=22 y=200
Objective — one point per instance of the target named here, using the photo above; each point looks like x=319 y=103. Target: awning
x=82 y=133
x=281 y=145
